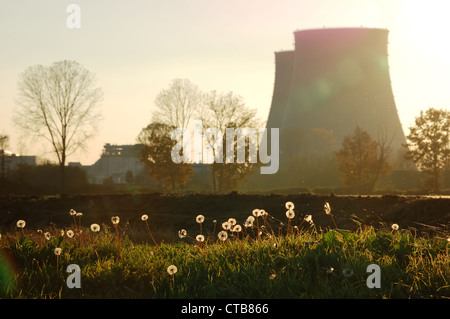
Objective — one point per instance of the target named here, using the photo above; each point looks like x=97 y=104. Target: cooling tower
x=334 y=80
x=284 y=68
x=341 y=79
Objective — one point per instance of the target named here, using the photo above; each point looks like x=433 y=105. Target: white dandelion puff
x=256 y=212
x=289 y=205
x=290 y=214
x=237 y=228
x=57 y=251
x=200 y=238
x=70 y=233
x=21 y=223
x=248 y=224
x=115 y=220
x=327 y=208
x=394 y=227
x=226 y=225
x=95 y=228
x=200 y=219
x=144 y=217
x=223 y=235
x=182 y=233
x=73 y=212
x=172 y=270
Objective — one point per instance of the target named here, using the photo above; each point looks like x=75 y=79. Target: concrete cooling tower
x=334 y=80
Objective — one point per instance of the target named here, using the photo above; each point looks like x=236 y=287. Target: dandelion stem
x=148 y=228
x=333 y=221
x=118 y=239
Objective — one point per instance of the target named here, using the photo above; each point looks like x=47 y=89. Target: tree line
x=59 y=104
x=177 y=107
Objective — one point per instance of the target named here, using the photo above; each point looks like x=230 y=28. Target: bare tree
x=58 y=103
x=225 y=111
x=177 y=105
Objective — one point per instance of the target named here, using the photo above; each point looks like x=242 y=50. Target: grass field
x=268 y=257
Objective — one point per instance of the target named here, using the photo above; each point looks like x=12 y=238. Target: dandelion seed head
x=394 y=227
x=256 y=212
x=232 y=221
x=69 y=233
x=47 y=235
x=289 y=205
x=251 y=219
x=79 y=214
x=327 y=208
x=115 y=220
x=263 y=213
x=57 y=251
x=223 y=235
x=144 y=217
x=237 y=228
x=200 y=219
x=73 y=212
x=226 y=225
x=95 y=228
x=290 y=214
x=347 y=272
x=172 y=270
x=21 y=223
x=308 y=218
x=182 y=233
x=61 y=232
x=248 y=224
x=200 y=238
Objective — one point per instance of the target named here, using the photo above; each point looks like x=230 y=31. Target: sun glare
x=428 y=24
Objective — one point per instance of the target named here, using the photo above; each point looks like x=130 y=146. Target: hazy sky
x=137 y=47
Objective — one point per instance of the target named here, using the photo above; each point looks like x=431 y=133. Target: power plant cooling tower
x=334 y=80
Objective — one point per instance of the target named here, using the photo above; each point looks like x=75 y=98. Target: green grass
x=300 y=263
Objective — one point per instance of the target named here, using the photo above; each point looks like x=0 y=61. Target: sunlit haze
x=135 y=48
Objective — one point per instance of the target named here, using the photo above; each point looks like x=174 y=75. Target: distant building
x=10 y=161
x=117 y=162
